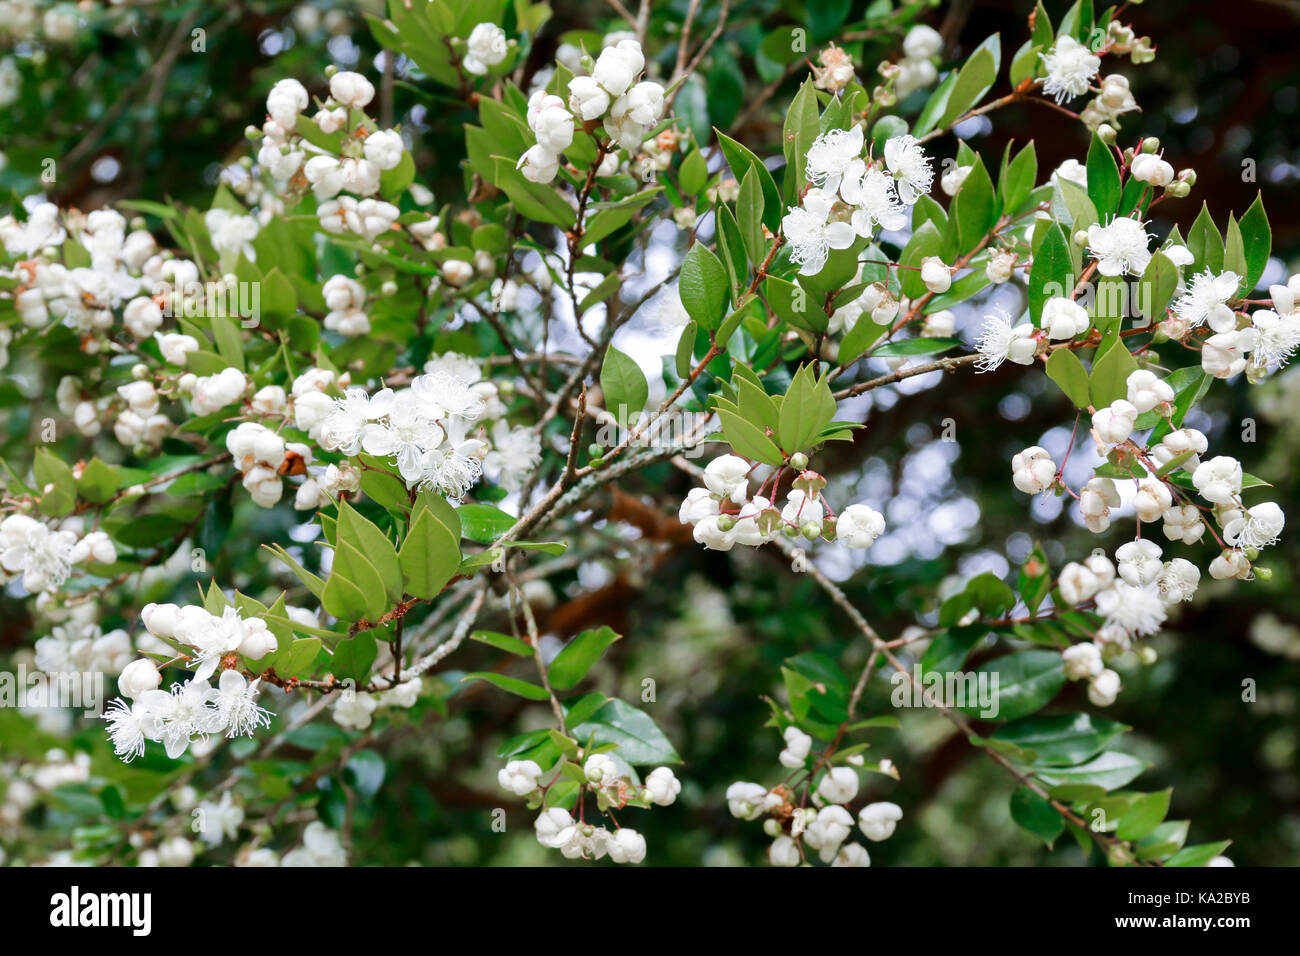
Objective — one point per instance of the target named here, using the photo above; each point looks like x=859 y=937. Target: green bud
x=811 y=530
x=1264 y=574
x=1151 y=144
x=799 y=460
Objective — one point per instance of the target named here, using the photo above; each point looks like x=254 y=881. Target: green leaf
x=748 y=439
x=1026 y=681
x=694 y=173
x=1198 y=855
x=1109 y=379
x=1109 y=770
x=1034 y=814
x=749 y=215
x=430 y=556
x=1257 y=239
x=1205 y=244
x=484 y=523
x=743 y=162
x=1016 y=181
x=1051 y=273
x=298 y=658
x=503 y=642
x=640 y=741
x=1061 y=740
x=577 y=657
x=1065 y=369
x=794 y=304
x=362 y=534
x=354 y=656
x=1103 y=178
x=802 y=124
x=1143 y=815
x=685 y=348
x=624 y=385
x=973 y=81
x=974 y=208
x=513 y=685
x=703 y=287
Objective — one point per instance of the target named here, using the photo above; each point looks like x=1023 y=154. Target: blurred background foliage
x=128 y=106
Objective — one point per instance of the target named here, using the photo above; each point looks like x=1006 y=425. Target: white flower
x=384 y=148
x=1219 y=479
x=1152 y=500
x=906 y=159
x=142 y=317
x=1072 y=170
x=184 y=714
x=830 y=828
x=130 y=725
x=1120 y=247
x=698 y=505
x=1183 y=524
x=1077 y=583
x=871 y=192
x=802 y=511
x=1224 y=355
x=1115 y=422
x=1104 y=688
x=486 y=47
x=286 y=100
x=1151 y=169
x=1205 y=301
x=231 y=233
x=1137 y=611
x=852 y=854
x=1146 y=390
x=626 y=846
x=829 y=157
x=728 y=477
x=1070 y=68
x=601 y=769
x=1255 y=527
x=783 y=852
x=137 y=677
x=42 y=556
x=1032 y=470
x=797 y=745
x=746 y=800
x=709 y=533
x=642 y=104
x=999 y=341
x=617 y=66
x=1178 y=581
x=922 y=42
x=1230 y=564
x=951 y=181
x=96 y=546
x=519 y=776
x=174 y=347
x=811 y=234
x=839 y=785
x=538 y=165
x=515 y=453
x=1139 y=562
x=551 y=122
x=1064 y=318
x=662 y=787
x=936 y=275
x=351 y=89
x=1276 y=336
x=858 y=526
x=554 y=827
x=877 y=820
x=1096 y=499
x=214 y=392
x=1082 y=661
x=218 y=821
x=587 y=98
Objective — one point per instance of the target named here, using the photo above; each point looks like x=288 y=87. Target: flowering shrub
x=361 y=421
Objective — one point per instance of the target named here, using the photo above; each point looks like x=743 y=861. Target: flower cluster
x=43 y=555
x=576 y=839
x=851 y=196
x=825 y=826
x=609 y=94
x=724 y=514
